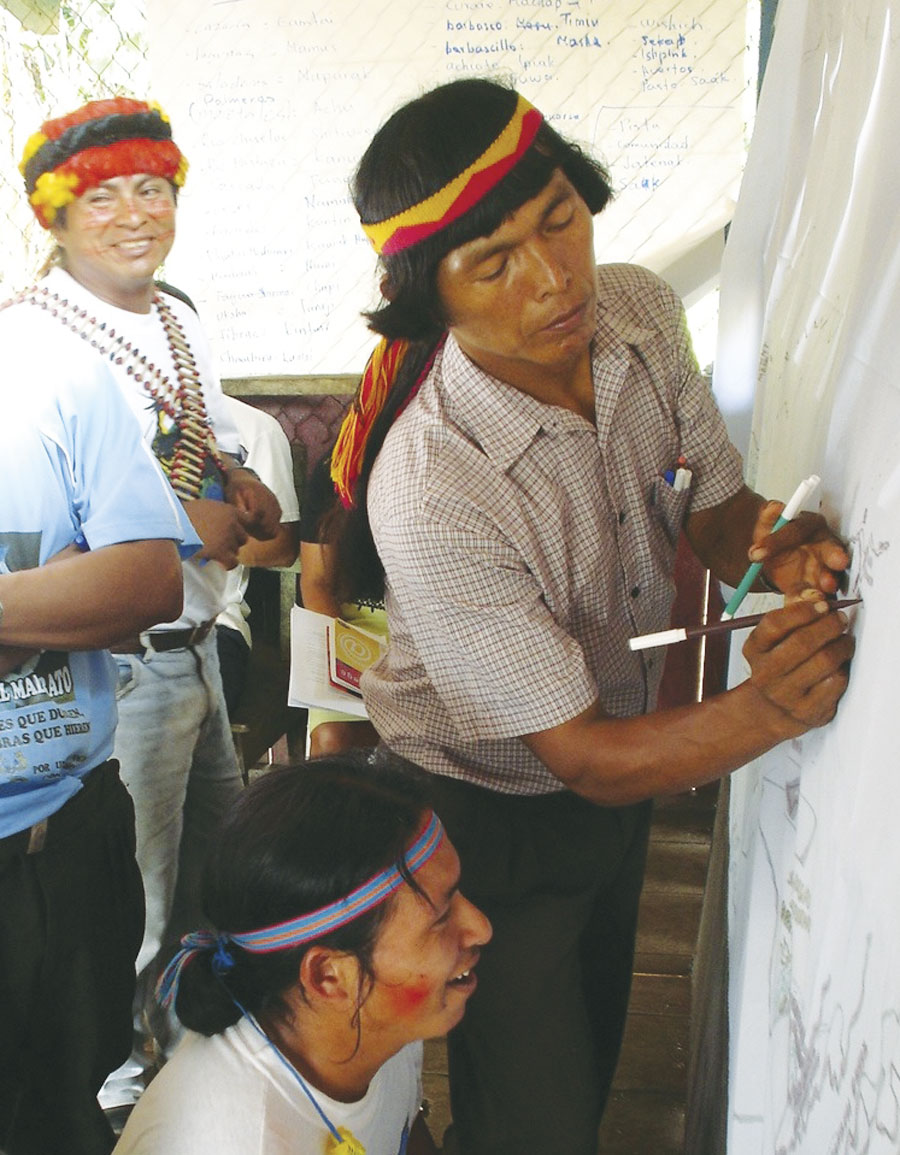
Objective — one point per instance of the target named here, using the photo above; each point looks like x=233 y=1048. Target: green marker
x=790 y=511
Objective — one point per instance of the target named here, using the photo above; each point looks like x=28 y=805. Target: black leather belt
x=159 y=641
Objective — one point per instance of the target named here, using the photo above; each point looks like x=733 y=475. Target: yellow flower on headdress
x=35 y=142
x=181 y=171
x=155 y=106
x=52 y=191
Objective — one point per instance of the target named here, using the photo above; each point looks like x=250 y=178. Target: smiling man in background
x=104 y=180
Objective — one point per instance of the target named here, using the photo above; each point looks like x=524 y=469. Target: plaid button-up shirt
x=523 y=546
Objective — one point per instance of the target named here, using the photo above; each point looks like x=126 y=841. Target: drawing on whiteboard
x=826 y=1051
x=815 y=865
x=865 y=550
x=830 y=1056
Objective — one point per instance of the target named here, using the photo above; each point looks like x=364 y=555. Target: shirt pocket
x=669 y=506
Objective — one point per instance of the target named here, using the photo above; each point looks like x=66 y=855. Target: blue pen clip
x=678 y=476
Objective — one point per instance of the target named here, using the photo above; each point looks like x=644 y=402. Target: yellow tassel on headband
x=377 y=380
x=378 y=376
x=456 y=198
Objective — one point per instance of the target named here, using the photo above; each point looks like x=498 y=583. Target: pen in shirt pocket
x=679 y=475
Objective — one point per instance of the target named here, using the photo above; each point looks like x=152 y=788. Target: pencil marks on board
x=828 y=1054
x=866 y=547
x=831 y=1057
x=811 y=268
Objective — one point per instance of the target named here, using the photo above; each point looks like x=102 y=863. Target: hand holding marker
x=804 y=489
x=687 y=633
x=728 y=621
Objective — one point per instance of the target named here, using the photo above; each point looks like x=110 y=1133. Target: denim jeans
x=177 y=758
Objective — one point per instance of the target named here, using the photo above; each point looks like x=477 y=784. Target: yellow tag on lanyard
x=349 y=1144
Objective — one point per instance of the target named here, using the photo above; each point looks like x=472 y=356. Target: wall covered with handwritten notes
x=274 y=101
x=811 y=300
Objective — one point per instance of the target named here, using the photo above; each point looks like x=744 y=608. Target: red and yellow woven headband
x=99 y=141
x=456 y=198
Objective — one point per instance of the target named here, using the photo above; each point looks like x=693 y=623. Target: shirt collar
x=504 y=420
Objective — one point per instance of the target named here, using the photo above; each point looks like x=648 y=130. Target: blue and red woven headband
x=306 y=927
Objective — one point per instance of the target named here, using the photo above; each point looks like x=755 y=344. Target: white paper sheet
x=309 y=683
x=810 y=308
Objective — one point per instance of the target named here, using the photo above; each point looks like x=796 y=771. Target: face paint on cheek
x=407 y=999
x=164 y=223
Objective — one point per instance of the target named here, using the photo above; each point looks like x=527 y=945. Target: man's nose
x=129 y=211
x=477 y=929
x=551 y=274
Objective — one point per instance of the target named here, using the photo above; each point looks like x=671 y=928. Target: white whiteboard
x=811 y=296
x=274 y=102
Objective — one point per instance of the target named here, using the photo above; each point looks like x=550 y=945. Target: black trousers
x=71 y=922
x=234 y=658
x=532 y=1061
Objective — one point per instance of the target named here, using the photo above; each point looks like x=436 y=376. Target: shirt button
x=622 y=517
x=635 y=591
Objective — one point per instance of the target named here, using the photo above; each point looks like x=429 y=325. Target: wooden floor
x=646 y=1112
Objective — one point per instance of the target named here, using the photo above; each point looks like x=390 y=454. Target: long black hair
x=423 y=146
x=297 y=839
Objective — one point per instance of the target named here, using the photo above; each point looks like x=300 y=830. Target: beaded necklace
x=195 y=453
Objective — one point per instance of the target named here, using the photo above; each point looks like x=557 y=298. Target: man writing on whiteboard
x=507 y=465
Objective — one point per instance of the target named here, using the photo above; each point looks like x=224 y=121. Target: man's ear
x=330 y=974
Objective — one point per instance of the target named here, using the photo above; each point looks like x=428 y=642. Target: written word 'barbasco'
x=474 y=25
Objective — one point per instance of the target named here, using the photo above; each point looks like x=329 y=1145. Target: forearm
x=93 y=599
x=799 y=658
x=319 y=598
x=318 y=579
x=281 y=550
x=616 y=761
x=722 y=535
x=219 y=528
